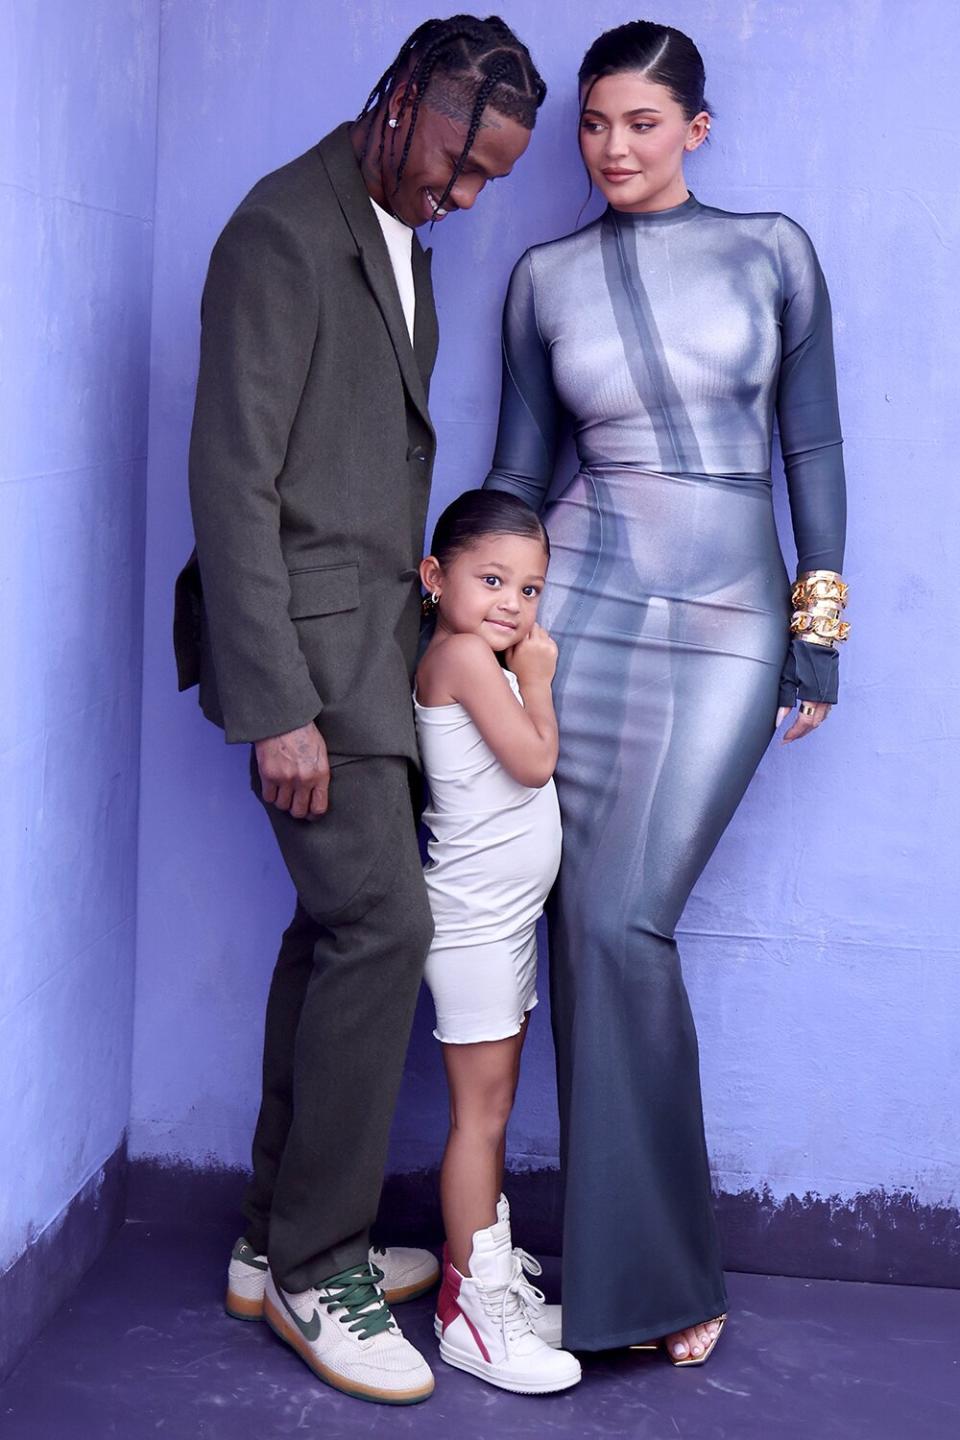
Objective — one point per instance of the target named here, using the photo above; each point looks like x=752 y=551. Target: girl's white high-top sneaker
x=545 y=1319
x=485 y=1328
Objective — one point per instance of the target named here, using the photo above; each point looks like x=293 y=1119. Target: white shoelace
x=513 y=1317
x=532 y=1299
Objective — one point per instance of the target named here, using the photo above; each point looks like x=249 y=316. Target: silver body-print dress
x=671 y=340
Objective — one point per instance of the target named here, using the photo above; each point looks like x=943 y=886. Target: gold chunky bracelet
x=828 y=627
x=814 y=585
x=818 y=597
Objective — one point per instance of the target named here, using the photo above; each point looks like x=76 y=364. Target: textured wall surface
x=821 y=944
x=77 y=151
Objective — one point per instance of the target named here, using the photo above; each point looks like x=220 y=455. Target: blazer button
x=417 y=452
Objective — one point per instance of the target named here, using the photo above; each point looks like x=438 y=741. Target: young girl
x=488 y=737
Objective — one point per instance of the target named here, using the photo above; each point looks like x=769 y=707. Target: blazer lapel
x=340 y=163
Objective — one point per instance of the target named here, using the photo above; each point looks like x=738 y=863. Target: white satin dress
x=494 y=855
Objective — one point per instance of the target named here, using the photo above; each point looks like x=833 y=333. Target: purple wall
x=77 y=150
x=821 y=945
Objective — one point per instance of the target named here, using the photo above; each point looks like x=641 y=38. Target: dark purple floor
x=144 y=1349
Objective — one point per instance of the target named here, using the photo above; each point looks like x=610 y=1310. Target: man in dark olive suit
x=310 y=464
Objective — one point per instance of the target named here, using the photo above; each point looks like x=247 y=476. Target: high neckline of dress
x=672 y=216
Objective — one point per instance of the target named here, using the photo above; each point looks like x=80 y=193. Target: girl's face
x=633 y=137
x=491 y=589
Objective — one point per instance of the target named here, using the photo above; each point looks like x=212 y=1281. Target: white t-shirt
x=399 y=238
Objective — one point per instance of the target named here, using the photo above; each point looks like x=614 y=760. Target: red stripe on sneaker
x=448 y=1306
x=477 y=1336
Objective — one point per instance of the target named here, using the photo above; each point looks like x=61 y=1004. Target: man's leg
x=287 y=990
x=360 y=885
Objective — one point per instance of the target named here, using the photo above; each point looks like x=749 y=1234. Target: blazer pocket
x=325 y=590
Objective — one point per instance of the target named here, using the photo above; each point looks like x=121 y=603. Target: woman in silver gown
x=670 y=333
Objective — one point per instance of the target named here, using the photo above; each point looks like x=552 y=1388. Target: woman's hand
x=534 y=658
x=810 y=716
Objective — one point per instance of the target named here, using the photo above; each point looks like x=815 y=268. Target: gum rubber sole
x=238 y=1307
x=474 y=1367
x=291 y=1336
x=411 y=1292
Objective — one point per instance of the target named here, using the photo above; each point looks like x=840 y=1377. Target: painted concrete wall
x=77 y=150
x=821 y=945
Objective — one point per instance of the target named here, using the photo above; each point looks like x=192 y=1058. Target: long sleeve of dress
x=530 y=412
x=811 y=442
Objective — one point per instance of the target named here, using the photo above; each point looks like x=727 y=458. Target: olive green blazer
x=310 y=462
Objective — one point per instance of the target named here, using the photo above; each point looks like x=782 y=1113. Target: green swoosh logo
x=309 y=1329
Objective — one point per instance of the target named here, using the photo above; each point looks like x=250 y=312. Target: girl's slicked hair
x=483 y=59
x=477 y=513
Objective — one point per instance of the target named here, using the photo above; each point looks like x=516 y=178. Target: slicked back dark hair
x=660 y=53
x=477 y=513
x=664 y=55
x=483 y=56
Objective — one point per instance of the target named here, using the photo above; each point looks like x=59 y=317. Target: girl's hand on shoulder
x=533 y=658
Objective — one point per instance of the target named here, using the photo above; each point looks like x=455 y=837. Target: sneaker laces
x=532 y=1299
x=357 y=1292
x=513 y=1318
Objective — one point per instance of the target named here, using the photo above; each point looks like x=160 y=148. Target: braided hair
x=481 y=60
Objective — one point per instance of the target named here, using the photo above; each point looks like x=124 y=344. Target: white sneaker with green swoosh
x=406 y=1274
x=344 y=1331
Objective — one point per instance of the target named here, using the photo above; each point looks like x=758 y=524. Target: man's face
x=442 y=128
